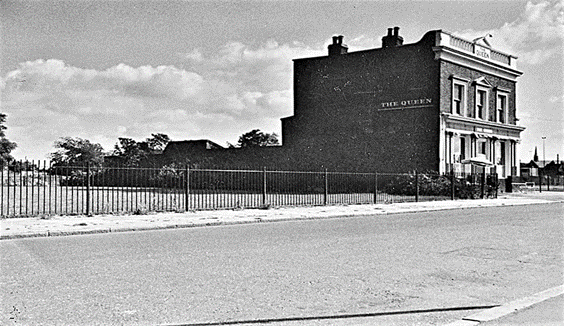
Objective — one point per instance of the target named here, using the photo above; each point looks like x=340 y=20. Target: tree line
x=79 y=152
x=75 y=151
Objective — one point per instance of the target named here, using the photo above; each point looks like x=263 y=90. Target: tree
x=257 y=138
x=6 y=146
x=129 y=151
x=77 y=152
x=132 y=152
x=157 y=142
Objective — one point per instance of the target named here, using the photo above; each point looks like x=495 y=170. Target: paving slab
x=546 y=313
x=543 y=308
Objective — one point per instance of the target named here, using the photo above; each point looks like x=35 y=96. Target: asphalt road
x=361 y=266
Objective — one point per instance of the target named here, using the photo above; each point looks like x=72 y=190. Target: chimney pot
x=337 y=47
x=392 y=40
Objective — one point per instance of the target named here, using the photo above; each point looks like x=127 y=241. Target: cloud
x=534 y=37
x=555 y=99
x=362 y=43
x=195 y=55
x=217 y=96
x=42 y=76
x=264 y=69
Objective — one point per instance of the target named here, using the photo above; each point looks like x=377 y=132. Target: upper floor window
x=458 y=99
x=481 y=109
x=481 y=104
x=458 y=105
x=501 y=114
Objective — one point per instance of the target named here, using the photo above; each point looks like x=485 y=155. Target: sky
x=101 y=70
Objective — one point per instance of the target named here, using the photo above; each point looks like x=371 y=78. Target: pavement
x=13 y=228
x=543 y=308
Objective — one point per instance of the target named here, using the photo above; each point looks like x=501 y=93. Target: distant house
x=550 y=171
x=174 y=148
x=204 y=153
x=197 y=153
x=529 y=170
x=554 y=172
x=554 y=168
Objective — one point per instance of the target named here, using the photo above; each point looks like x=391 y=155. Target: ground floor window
x=500 y=153
x=464 y=145
x=462 y=148
x=481 y=146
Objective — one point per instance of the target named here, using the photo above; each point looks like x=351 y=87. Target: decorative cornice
x=464 y=59
x=452 y=117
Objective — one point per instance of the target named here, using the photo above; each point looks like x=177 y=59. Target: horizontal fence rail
x=38 y=188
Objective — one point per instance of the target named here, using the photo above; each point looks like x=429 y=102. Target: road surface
x=313 y=269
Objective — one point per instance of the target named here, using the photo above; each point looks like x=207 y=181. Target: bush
x=430 y=184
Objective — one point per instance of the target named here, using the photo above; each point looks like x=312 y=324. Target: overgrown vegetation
x=431 y=184
x=6 y=146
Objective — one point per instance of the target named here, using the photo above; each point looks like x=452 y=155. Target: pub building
x=427 y=106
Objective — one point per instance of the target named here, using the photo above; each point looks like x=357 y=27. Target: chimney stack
x=337 y=48
x=392 y=40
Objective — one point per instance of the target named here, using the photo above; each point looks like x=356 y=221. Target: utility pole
x=543 y=158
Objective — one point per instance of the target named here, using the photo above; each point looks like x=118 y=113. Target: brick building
x=428 y=106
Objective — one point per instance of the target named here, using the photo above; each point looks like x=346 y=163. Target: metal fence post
x=88 y=188
x=540 y=180
x=452 y=179
x=187 y=188
x=496 y=184
x=326 y=190
x=483 y=183
x=375 y=187
x=416 y=186
x=264 y=187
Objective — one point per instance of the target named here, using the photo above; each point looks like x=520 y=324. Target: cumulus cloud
x=362 y=43
x=42 y=76
x=217 y=96
x=534 y=37
x=264 y=69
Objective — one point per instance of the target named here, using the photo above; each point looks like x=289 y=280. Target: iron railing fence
x=39 y=188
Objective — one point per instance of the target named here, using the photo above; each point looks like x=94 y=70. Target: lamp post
x=543 y=157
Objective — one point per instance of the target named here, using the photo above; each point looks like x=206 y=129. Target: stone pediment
x=482 y=81
x=483 y=40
